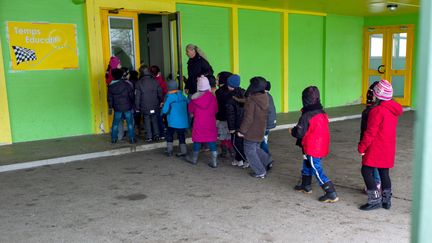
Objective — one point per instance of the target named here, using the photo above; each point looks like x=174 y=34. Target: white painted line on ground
x=132 y=149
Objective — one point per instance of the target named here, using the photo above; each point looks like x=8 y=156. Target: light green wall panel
x=343 y=60
x=305 y=56
x=260 y=49
x=47 y=104
x=398 y=20
x=209 y=28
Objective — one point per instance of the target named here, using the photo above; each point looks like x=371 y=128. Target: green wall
x=47 y=104
x=209 y=28
x=398 y=20
x=305 y=56
x=343 y=60
x=260 y=49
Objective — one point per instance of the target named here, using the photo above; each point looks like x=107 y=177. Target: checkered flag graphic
x=23 y=54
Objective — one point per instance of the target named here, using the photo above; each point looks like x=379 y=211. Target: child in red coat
x=313 y=136
x=378 y=145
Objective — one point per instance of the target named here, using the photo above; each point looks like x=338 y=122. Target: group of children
x=241 y=120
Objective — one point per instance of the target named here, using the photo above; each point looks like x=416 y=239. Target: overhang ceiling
x=340 y=7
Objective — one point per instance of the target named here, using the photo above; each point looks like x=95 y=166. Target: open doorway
x=139 y=38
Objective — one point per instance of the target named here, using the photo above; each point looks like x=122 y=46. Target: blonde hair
x=197 y=50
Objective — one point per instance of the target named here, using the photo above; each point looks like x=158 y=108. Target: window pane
x=376 y=49
x=399 y=51
x=122 y=41
x=398 y=83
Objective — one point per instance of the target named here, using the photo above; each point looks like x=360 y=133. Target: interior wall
x=52 y=103
x=305 y=56
x=260 y=49
x=343 y=60
x=143 y=21
x=210 y=29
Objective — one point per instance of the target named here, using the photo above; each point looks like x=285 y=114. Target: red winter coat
x=316 y=140
x=379 y=139
x=162 y=84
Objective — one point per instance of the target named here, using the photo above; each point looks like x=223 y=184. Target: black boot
x=304 y=185
x=330 y=195
x=386 y=198
x=374 y=201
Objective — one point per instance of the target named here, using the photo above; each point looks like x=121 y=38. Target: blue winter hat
x=234 y=81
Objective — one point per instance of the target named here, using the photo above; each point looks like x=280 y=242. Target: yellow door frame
x=5 y=129
x=387 y=32
x=97 y=60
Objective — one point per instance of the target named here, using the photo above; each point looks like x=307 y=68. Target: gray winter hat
x=172 y=85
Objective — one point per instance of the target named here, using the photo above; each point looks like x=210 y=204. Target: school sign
x=42 y=46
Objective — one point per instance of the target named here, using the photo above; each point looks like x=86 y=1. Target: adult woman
x=197 y=66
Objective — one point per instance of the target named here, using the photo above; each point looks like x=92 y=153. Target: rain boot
x=213 y=162
x=330 y=195
x=304 y=185
x=374 y=201
x=386 y=198
x=183 y=150
x=169 y=150
x=192 y=159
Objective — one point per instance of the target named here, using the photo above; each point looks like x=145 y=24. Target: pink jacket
x=203 y=108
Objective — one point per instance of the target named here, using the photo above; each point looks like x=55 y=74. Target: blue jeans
x=117 y=118
x=258 y=159
x=312 y=166
x=264 y=143
x=212 y=146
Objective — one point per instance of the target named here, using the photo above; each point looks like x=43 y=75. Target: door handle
x=381 y=69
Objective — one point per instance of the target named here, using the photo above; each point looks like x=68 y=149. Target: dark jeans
x=161 y=126
x=180 y=135
x=211 y=145
x=238 y=146
x=367 y=173
x=258 y=159
x=115 y=124
x=264 y=143
x=151 y=125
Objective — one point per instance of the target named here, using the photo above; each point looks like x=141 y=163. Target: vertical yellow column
x=5 y=130
x=234 y=40
x=285 y=62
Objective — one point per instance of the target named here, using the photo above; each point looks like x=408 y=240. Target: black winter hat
x=223 y=77
x=257 y=85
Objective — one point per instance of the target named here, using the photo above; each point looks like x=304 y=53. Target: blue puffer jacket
x=175 y=107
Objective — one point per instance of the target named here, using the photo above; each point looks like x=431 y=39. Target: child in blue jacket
x=175 y=107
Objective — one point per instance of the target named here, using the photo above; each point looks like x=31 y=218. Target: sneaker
x=234 y=163
x=148 y=140
x=156 y=138
x=246 y=165
x=262 y=176
x=240 y=163
x=161 y=138
x=269 y=166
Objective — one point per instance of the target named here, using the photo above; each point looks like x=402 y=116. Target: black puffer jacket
x=148 y=94
x=197 y=66
x=120 y=96
x=222 y=96
x=235 y=109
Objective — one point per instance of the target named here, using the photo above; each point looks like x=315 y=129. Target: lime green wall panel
x=398 y=20
x=305 y=56
x=209 y=28
x=260 y=49
x=53 y=103
x=343 y=60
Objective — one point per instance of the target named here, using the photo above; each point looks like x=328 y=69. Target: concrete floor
x=147 y=197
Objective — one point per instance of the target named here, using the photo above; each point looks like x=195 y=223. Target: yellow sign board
x=42 y=46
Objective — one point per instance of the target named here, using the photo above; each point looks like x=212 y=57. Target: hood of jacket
x=202 y=99
x=261 y=100
x=311 y=96
x=393 y=107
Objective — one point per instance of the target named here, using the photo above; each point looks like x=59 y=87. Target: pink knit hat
x=114 y=62
x=383 y=90
x=203 y=84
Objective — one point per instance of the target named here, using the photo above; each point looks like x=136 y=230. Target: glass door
x=389 y=56
x=120 y=35
x=175 y=46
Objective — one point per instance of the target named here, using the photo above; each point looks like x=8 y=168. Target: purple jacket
x=203 y=107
